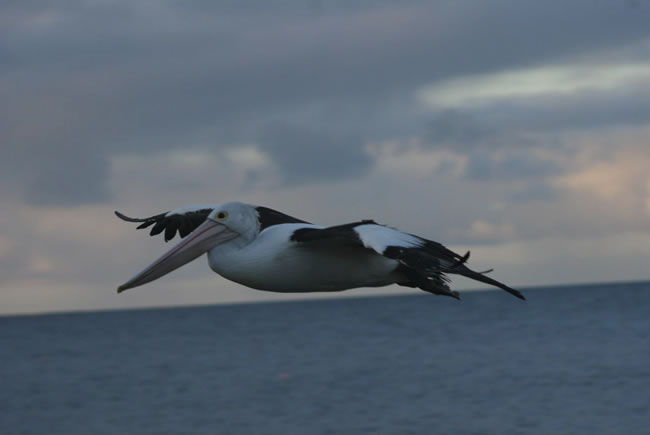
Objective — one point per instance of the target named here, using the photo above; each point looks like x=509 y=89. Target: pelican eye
x=222 y=215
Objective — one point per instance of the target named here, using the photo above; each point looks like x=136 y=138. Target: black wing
x=268 y=217
x=421 y=267
x=184 y=223
x=423 y=262
x=343 y=233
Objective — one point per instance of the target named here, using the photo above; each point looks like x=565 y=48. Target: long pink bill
x=205 y=237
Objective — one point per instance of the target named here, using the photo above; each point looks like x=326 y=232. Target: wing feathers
x=345 y=232
x=268 y=217
x=423 y=262
x=183 y=221
x=148 y=220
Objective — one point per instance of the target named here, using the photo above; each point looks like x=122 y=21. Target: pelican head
x=225 y=223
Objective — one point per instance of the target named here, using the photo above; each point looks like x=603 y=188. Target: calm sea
x=572 y=360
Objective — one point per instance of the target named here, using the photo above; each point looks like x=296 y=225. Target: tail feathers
x=469 y=273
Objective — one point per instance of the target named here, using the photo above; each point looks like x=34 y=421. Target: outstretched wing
x=184 y=220
x=425 y=263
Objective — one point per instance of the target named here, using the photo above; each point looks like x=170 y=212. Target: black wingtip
x=469 y=273
x=515 y=293
x=462 y=260
x=126 y=218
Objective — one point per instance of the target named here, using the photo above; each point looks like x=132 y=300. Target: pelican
x=268 y=250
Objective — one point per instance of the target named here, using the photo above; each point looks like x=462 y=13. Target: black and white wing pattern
x=267 y=217
x=182 y=220
x=423 y=262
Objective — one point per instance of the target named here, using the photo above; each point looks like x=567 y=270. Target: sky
x=517 y=129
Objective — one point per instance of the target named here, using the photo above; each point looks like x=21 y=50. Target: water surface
x=572 y=360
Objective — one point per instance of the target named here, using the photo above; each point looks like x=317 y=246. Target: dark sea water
x=573 y=360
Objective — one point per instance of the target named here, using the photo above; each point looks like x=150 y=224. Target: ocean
x=569 y=360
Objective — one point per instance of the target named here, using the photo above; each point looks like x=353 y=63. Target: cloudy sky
x=519 y=129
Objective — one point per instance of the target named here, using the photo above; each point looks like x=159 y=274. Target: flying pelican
x=269 y=250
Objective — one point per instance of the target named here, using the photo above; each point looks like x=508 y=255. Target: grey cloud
x=305 y=155
x=464 y=131
x=508 y=166
x=55 y=173
x=81 y=180
x=534 y=190
x=454 y=127
x=584 y=110
x=495 y=152
x=534 y=121
x=84 y=82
